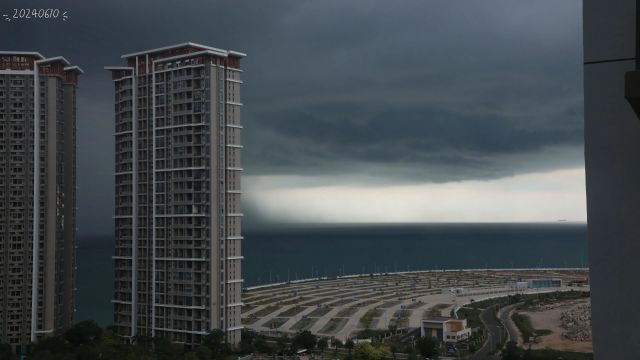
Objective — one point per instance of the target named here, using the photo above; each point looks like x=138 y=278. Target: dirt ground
x=550 y=319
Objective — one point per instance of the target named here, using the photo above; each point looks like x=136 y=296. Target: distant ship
x=562 y=220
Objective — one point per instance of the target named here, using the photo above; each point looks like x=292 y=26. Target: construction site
x=343 y=307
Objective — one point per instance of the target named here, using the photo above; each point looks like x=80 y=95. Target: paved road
x=493 y=337
x=505 y=317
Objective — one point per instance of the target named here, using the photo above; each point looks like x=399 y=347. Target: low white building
x=445 y=329
x=521 y=285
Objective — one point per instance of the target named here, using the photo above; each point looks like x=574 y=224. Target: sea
x=292 y=252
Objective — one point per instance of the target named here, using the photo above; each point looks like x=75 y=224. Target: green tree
x=109 y=346
x=336 y=344
x=204 y=353
x=363 y=351
x=51 y=348
x=6 y=353
x=215 y=341
x=246 y=345
x=43 y=355
x=164 y=349
x=428 y=347
x=261 y=345
x=86 y=352
x=281 y=344
x=323 y=343
x=305 y=340
x=83 y=333
x=349 y=344
x=135 y=353
x=366 y=351
x=511 y=351
x=381 y=352
x=394 y=349
x=191 y=356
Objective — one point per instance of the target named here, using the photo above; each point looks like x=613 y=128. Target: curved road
x=505 y=317
x=494 y=329
x=488 y=318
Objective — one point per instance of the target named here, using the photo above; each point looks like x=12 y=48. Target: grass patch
x=292 y=311
x=266 y=311
x=543 y=332
x=333 y=325
x=367 y=319
x=247 y=308
x=275 y=323
x=472 y=315
x=367 y=302
x=316 y=302
x=400 y=319
x=273 y=299
x=347 y=312
x=321 y=311
x=523 y=322
x=292 y=301
x=341 y=302
x=304 y=324
x=388 y=304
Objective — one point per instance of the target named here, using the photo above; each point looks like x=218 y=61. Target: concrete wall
x=612 y=155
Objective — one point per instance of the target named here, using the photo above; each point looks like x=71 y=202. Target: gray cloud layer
x=396 y=90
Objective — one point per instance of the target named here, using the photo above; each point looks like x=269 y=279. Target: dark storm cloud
x=438 y=91
x=323 y=139
x=398 y=90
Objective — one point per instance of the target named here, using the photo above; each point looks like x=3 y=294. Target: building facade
x=37 y=196
x=445 y=329
x=612 y=154
x=177 y=193
x=544 y=283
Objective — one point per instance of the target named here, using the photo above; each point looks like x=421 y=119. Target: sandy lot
x=549 y=318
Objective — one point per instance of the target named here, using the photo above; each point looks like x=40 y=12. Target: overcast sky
x=357 y=111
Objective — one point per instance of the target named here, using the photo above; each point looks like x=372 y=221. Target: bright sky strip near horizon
x=357 y=111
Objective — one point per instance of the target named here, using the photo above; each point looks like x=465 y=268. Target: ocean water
x=292 y=252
